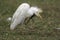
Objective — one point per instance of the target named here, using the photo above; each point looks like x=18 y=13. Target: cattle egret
x=22 y=12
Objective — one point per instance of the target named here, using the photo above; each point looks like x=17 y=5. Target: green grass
x=35 y=30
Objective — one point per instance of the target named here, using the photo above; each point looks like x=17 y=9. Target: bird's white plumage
x=18 y=16
x=22 y=12
x=32 y=11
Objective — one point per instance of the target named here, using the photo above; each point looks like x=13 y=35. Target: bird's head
x=37 y=11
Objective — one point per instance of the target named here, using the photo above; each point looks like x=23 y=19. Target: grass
x=35 y=30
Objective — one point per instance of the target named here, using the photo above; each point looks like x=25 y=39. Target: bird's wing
x=19 y=16
x=22 y=8
x=17 y=12
x=17 y=21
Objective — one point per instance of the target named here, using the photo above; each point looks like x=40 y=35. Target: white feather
x=18 y=16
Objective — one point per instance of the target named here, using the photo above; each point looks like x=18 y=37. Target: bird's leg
x=32 y=18
x=27 y=20
x=22 y=22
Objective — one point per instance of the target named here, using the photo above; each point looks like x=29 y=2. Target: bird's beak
x=38 y=15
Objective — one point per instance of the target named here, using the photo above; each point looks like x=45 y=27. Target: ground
x=37 y=29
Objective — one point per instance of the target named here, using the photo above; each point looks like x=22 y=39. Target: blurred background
x=45 y=29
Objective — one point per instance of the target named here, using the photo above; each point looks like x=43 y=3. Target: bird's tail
x=18 y=20
x=13 y=25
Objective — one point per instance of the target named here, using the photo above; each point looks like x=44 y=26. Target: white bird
x=22 y=12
